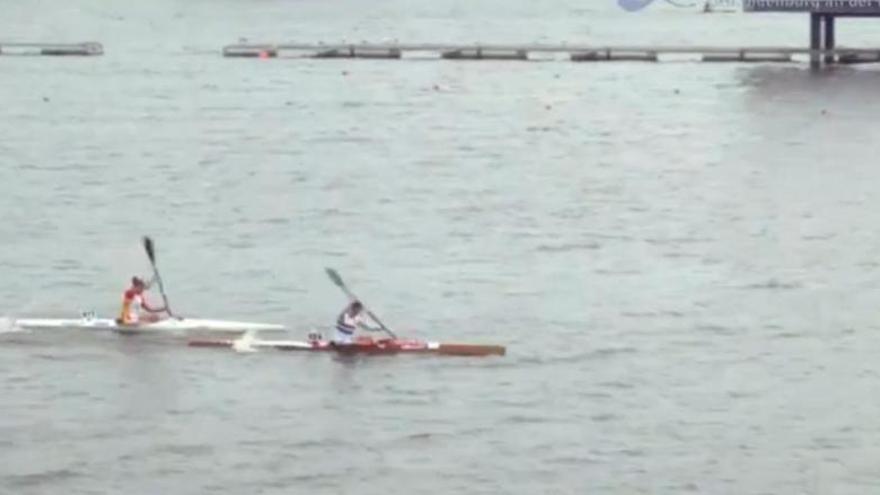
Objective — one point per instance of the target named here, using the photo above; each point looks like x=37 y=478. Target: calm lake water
x=681 y=258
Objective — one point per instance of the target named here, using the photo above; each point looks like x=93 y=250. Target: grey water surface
x=681 y=258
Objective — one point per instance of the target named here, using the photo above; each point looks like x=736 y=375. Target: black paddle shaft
x=151 y=253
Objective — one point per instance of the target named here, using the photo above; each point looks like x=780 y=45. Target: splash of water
x=244 y=343
x=7 y=325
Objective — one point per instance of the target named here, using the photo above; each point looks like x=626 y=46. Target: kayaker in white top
x=351 y=318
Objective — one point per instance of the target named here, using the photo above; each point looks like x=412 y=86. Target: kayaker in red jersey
x=351 y=318
x=133 y=302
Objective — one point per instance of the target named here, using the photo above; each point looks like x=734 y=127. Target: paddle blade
x=148 y=247
x=334 y=277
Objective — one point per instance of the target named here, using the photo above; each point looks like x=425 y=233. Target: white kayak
x=89 y=322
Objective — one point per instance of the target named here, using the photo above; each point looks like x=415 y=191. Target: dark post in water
x=822 y=15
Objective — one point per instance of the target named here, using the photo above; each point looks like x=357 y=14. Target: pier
x=52 y=49
x=822 y=14
x=822 y=46
x=570 y=53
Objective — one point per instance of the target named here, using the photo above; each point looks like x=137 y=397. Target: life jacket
x=347 y=324
x=131 y=307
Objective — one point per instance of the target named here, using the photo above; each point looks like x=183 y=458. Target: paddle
x=151 y=253
x=337 y=280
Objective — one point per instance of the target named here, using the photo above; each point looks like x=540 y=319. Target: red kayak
x=361 y=346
